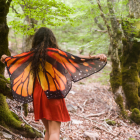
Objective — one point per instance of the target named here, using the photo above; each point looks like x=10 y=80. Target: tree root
x=10 y=120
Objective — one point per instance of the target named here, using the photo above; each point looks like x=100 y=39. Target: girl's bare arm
x=101 y=56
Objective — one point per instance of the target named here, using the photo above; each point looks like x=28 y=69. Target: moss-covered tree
x=115 y=34
x=125 y=72
x=129 y=66
x=130 y=56
x=7 y=118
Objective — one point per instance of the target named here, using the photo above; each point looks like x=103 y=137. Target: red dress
x=50 y=109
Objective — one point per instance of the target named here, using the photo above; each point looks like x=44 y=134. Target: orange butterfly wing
x=21 y=79
x=61 y=68
x=77 y=67
x=58 y=77
x=54 y=82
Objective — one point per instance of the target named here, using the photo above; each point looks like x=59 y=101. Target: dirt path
x=90 y=103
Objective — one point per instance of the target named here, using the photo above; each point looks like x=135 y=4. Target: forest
x=103 y=106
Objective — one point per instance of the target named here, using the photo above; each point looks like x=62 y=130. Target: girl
x=51 y=111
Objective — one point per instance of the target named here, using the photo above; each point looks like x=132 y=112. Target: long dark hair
x=43 y=38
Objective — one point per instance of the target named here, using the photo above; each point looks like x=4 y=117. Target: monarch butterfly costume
x=49 y=88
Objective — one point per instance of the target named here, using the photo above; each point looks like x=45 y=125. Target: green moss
x=25 y=108
x=3 y=83
x=135 y=115
x=115 y=80
x=139 y=87
x=130 y=86
x=131 y=139
x=5 y=87
x=139 y=78
x=110 y=122
x=28 y=128
x=15 y=116
x=130 y=75
x=32 y=132
x=119 y=101
x=6 y=115
x=12 y=121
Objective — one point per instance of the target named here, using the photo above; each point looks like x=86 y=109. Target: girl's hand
x=3 y=58
x=101 y=56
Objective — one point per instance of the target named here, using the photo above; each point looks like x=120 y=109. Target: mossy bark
x=119 y=101
x=12 y=122
x=130 y=64
x=5 y=87
x=131 y=59
x=8 y=119
x=139 y=76
x=130 y=74
x=25 y=108
x=135 y=116
x=4 y=9
x=115 y=76
x=115 y=43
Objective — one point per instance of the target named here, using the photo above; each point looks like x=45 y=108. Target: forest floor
x=93 y=111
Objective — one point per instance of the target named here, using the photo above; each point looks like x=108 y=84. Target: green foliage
x=44 y=12
x=81 y=35
x=72 y=21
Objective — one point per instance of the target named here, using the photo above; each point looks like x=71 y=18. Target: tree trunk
x=130 y=57
x=115 y=42
x=7 y=118
x=139 y=76
x=128 y=53
x=27 y=39
x=130 y=61
x=129 y=65
x=4 y=9
x=115 y=75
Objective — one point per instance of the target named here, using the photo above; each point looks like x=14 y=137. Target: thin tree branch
x=10 y=132
x=96 y=125
x=14 y=9
x=105 y=21
x=30 y=124
x=98 y=24
x=21 y=116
